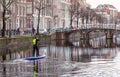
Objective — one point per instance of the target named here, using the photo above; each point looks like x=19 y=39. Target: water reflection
x=64 y=61
x=35 y=68
x=82 y=54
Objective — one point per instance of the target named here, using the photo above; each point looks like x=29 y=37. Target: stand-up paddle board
x=35 y=58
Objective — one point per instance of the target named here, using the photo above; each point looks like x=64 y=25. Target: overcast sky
x=94 y=3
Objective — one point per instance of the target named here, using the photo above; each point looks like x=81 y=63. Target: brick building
x=15 y=14
x=109 y=12
x=24 y=14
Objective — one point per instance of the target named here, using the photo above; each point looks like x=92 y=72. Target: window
x=29 y=8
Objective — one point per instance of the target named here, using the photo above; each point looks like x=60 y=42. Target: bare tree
x=39 y=8
x=72 y=11
x=99 y=18
x=5 y=5
x=92 y=15
x=41 y=5
x=78 y=12
x=87 y=14
x=82 y=14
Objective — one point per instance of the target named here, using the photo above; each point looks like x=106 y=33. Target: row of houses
x=55 y=13
x=109 y=12
x=24 y=14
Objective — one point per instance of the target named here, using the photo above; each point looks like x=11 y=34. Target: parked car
x=42 y=31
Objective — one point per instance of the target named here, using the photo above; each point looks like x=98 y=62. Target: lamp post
x=49 y=26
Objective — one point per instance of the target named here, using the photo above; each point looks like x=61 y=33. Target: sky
x=95 y=3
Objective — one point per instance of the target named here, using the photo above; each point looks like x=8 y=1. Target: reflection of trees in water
x=11 y=46
x=7 y=54
x=4 y=70
x=80 y=55
x=35 y=68
x=3 y=54
x=54 y=64
x=101 y=42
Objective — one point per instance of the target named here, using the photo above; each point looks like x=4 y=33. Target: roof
x=109 y=6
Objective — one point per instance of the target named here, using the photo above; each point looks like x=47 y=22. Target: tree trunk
x=38 y=22
x=77 y=21
x=4 y=23
x=86 y=19
x=71 y=21
x=82 y=20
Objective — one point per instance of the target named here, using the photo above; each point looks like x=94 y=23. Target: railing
x=91 y=26
x=103 y=26
x=94 y=26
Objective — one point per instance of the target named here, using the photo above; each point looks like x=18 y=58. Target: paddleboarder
x=35 y=46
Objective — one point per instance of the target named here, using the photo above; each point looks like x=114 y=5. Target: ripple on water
x=93 y=69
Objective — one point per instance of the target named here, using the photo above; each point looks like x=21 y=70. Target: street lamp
x=49 y=26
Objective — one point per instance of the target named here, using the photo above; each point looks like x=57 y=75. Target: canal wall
x=45 y=39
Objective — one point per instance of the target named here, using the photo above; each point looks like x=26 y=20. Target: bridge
x=87 y=33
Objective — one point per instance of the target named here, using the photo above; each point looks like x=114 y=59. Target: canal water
x=64 y=61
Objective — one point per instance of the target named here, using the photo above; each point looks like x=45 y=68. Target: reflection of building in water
x=98 y=42
x=57 y=59
x=87 y=54
x=82 y=54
